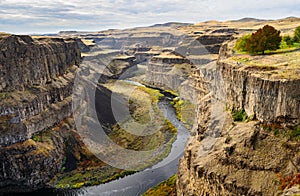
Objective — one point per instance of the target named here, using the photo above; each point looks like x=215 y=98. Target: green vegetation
x=172 y=92
x=4 y=95
x=242 y=43
x=295 y=133
x=91 y=177
x=42 y=137
x=288 y=41
x=291 y=133
x=296 y=37
x=267 y=39
x=36 y=138
x=239 y=115
x=185 y=111
x=154 y=94
x=166 y=188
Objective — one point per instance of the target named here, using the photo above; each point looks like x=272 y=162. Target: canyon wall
x=165 y=71
x=27 y=62
x=35 y=95
x=173 y=67
x=269 y=100
x=224 y=157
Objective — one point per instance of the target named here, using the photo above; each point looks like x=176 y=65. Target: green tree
x=288 y=40
x=242 y=43
x=266 y=38
x=296 y=37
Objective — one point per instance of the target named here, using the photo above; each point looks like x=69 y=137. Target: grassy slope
x=166 y=188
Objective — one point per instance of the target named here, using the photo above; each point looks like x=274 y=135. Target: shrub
x=296 y=37
x=37 y=138
x=266 y=38
x=242 y=43
x=239 y=115
x=288 y=40
x=295 y=133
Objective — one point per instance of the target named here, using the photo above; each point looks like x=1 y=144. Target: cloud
x=22 y=16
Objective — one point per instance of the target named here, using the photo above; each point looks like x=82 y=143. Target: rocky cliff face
x=35 y=94
x=122 y=66
x=224 y=157
x=40 y=60
x=213 y=42
x=244 y=160
x=165 y=70
x=269 y=100
x=171 y=71
x=29 y=165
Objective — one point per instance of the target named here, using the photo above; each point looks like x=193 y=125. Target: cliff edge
x=251 y=145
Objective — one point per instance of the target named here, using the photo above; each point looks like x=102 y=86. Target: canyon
x=223 y=156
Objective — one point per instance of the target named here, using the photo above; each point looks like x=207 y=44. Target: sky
x=51 y=16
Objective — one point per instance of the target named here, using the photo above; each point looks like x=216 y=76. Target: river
x=138 y=183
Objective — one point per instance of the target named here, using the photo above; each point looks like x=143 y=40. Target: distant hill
x=171 y=24
x=248 y=19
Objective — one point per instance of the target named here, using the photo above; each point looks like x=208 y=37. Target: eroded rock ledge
x=36 y=81
x=26 y=62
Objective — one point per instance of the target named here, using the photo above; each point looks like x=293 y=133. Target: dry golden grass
x=275 y=66
x=286 y=26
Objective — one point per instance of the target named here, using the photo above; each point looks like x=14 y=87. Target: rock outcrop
x=244 y=160
x=122 y=66
x=38 y=60
x=30 y=165
x=213 y=42
x=224 y=157
x=35 y=95
x=168 y=70
x=171 y=71
x=269 y=100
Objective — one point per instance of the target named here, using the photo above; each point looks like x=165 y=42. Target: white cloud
x=55 y=15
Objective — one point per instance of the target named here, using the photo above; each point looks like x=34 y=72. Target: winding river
x=138 y=183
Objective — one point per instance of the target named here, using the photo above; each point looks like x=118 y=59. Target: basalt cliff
x=35 y=96
x=253 y=154
x=225 y=157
